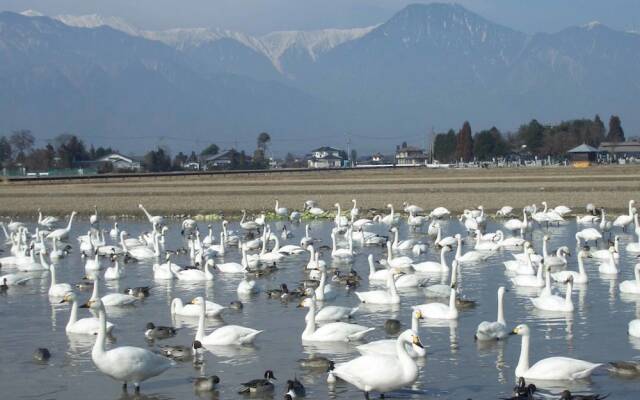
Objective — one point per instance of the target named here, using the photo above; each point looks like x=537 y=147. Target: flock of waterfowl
x=383 y=366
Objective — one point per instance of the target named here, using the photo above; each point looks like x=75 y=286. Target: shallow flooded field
x=456 y=367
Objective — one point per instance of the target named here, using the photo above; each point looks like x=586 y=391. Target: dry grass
x=610 y=187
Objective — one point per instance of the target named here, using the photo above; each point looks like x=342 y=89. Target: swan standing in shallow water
x=495 y=330
x=552 y=368
x=126 y=364
x=624 y=220
x=381 y=373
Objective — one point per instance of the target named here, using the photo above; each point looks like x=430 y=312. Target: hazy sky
x=261 y=16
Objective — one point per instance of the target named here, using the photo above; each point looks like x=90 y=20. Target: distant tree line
x=17 y=150
x=531 y=138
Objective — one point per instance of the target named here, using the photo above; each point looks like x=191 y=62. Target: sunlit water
x=456 y=367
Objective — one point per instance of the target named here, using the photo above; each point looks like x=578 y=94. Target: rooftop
x=584 y=148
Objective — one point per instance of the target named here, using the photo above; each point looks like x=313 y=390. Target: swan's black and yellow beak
x=85 y=305
x=416 y=341
x=514 y=331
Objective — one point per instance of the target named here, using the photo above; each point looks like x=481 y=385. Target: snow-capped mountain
x=429 y=65
x=273 y=45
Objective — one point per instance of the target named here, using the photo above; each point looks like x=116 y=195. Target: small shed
x=583 y=153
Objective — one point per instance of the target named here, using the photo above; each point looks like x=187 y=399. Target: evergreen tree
x=6 y=151
x=532 y=135
x=464 y=143
x=616 y=134
x=444 y=147
x=210 y=150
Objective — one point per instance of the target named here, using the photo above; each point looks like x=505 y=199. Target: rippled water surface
x=456 y=367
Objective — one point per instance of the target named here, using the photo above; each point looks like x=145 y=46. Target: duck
x=159 y=332
x=259 y=386
x=522 y=391
x=495 y=330
x=139 y=291
x=552 y=368
x=57 y=289
x=389 y=296
x=388 y=346
x=179 y=352
x=205 y=383
x=315 y=362
x=432 y=266
x=625 y=368
x=580 y=276
x=192 y=309
x=330 y=332
x=566 y=395
x=381 y=373
x=125 y=364
x=632 y=286
x=41 y=354
x=225 y=335
x=440 y=310
x=295 y=389
x=84 y=326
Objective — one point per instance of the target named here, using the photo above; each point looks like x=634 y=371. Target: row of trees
x=531 y=138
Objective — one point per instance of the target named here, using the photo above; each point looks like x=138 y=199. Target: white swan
x=440 y=310
x=13 y=279
x=62 y=233
x=439 y=212
x=632 y=286
x=84 y=326
x=519 y=267
x=376 y=275
x=114 y=272
x=603 y=254
x=634 y=328
x=551 y=302
x=342 y=254
x=56 y=289
x=333 y=313
x=331 y=332
x=634 y=247
x=397 y=262
x=495 y=330
x=381 y=373
x=401 y=244
x=443 y=290
x=470 y=257
x=225 y=335
x=389 y=296
x=536 y=281
x=314 y=259
x=442 y=242
x=196 y=275
x=281 y=211
x=112 y=299
x=125 y=364
x=587 y=235
x=579 y=277
x=193 y=310
x=624 y=220
x=324 y=291
x=552 y=368
x=246 y=287
x=485 y=245
x=387 y=347
x=432 y=266
x=153 y=219
x=609 y=267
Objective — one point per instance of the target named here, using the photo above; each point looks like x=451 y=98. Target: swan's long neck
x=547 y=281
x=122 y=243
x=567 y=297
x=439 y=235
x=630 y=209
x=70 y=221
x=98 y=347
x=323 y=280
x=581 y=266
x=523 y=361
x=146 y=213
x=501 y=308
x=408 y=365
x=545 y=253
x=310 y=327
x=372 y=269
x=454 y=273
x=276 y=248
x=458 y=249
x=443 y=260
x=616 y=244
x=415 y=324
x=389 y=258
x=73 y=317
x=452 y=300
x=94 y=294
x=636 y=272
x=52 y=268
x=391 y=284
x=200 y=331
x=333 y=242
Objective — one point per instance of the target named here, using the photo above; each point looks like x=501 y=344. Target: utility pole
x=349 y=150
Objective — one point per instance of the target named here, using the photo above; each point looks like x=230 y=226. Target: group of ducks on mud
x=384 y=365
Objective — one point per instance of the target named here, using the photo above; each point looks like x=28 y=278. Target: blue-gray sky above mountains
x=262 y=16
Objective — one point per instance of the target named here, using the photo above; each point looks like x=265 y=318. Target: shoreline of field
x=606 y=186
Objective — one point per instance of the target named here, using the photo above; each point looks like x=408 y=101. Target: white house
x=327 y=157
x=120 y=162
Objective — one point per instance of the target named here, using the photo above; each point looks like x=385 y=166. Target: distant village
x=578 y=143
